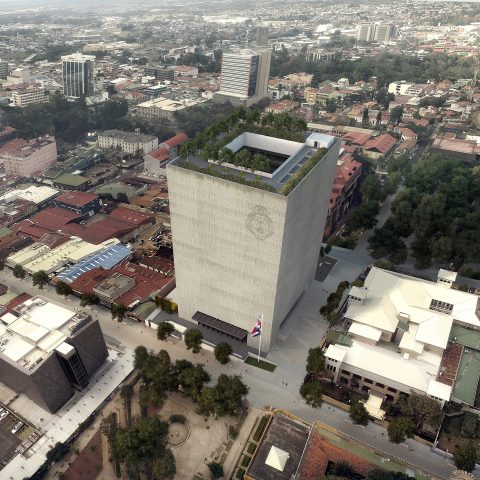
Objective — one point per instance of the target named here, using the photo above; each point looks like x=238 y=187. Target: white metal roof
x=277 y=458
x=439 y=390
x=336 y=352
x=365 y=331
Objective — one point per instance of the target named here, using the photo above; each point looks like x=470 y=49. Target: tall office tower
x=262 y=37
x=383 y=32
x=246 y=244
x=245 y=75
x=3 y=70
x=375 y=32
x=78 y=75
x=365 y=32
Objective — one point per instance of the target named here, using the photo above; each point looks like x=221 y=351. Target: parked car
x=17 y=427
x=3 y=414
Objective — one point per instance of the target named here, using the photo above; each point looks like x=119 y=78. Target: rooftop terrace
x=300 y=159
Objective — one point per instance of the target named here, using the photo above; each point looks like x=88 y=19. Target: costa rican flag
x=257 y=329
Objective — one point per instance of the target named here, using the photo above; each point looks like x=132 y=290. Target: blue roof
x=106 y=259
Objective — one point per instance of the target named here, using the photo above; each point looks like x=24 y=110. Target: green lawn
x=269 y=367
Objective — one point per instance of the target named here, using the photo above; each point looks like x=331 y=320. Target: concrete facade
x=240 y=251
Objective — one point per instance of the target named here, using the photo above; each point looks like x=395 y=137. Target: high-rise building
x=3 y=70
x=245 y=76
x=78 y=75
x=375 y=32
x=247 y=244
x=262 y=37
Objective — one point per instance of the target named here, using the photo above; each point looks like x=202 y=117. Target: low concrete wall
x=336 y=403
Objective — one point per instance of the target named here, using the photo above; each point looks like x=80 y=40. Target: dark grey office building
x=48 y=351
x=78 y=75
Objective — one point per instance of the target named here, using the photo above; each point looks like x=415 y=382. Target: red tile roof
x=86 y=282
x=15 y=302
x=319 y=452
x=131 y=216
x=76 y=199
x=159 y=154
x=356 y=138
x=27 y=228
x=178 y=139
x=383 y=143
x=12 y=145
x=100 y=231
x=54 y=218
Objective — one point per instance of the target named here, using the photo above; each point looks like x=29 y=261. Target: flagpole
x=260 y=340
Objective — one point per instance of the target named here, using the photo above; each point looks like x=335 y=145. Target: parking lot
x=8 y=441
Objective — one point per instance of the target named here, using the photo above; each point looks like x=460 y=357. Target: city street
x=279 y=388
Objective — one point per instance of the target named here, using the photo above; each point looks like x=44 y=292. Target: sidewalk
x=239 y=443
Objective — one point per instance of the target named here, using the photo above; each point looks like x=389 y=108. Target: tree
x=40 y=278
x=19 y=272
x=216 y=470
x=193 y=340
x=225 y=398
x=122 y=197
x=312 y=393
x=63 y=288
x=192 y=380
x=422 y=408
x=230 y=392
x=222 y=352
x=89 y=298
x=396 y=114
x=315 y=361
x=164 y=467
x=465 y=457
x=145 y=440
x=359 y=414
x=165 y=329
x=118 y=311
x=399 y=429
x=342 y=470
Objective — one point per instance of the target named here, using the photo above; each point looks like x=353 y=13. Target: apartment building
x=165 y=107
x=130 y=142
x=29 y=96
x=406 y=334
x=30 y=157
x=375 y=32
x=244 y=77
x=3 y=70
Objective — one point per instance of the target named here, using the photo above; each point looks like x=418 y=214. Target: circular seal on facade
x=259 y=222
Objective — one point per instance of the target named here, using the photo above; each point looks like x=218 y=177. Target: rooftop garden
x=210 y=145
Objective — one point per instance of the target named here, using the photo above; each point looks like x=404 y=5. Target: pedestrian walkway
x=238 y=445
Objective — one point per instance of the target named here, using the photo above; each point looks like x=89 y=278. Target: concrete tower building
x=247 y=244
x=262 y=37
x=245 y=75
x=3 y=70
x=78 y=75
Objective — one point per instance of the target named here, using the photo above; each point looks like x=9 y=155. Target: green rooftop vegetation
x=237 y=178
x=302 y=172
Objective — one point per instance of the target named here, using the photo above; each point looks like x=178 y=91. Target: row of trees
x=68 y=121
x=193 y=341
x=142 y=447
x=387 y=67
x=161 y=376
x=437 y=207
